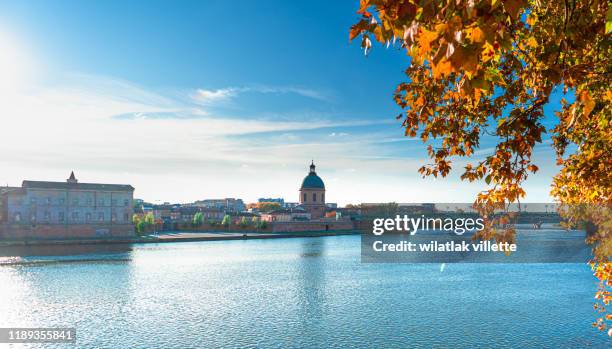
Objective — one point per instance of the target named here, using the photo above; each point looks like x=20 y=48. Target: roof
x=4 y=190
x=313 y=181
x=76 y=186
x=288 y=210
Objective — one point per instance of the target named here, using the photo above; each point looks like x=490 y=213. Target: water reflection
x=311 y=285
x=62 y=250
x=293 y=293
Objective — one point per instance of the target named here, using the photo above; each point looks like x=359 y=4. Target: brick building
x=312 y=194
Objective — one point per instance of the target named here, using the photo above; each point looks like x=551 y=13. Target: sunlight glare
x=15 y=65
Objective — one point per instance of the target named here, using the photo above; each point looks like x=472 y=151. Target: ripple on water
x=295 y=293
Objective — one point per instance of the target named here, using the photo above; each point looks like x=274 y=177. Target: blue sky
x=190 y=100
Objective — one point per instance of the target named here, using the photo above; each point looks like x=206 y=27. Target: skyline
x=184 y=104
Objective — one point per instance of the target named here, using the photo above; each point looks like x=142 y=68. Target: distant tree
x=198 y=219
x=227 y=220
x=141 y=223
x=262 y=224
x=149 y=219
x=244 y=222
x=268 y=206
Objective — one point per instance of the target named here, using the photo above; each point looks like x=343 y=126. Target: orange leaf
x=425 y=38
x=476 y=35
x=443 y=68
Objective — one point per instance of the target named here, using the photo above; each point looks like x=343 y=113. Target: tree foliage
x=227 y=220
x=489 y=67
x=268 y=206
x=142 y=223
x=244 y=222
x=198 y=219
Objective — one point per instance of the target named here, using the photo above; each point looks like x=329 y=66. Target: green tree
x=142 y=223
x=149 y=219
x=227 y=220
x=244 y=222
x=261 y=224
x=198 y=219
x=488 y=67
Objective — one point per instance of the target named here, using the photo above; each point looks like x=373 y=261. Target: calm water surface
x=311 y=292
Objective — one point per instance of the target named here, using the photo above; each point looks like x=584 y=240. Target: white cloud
x=224 y=95
x=111 y=130
x=211 y=96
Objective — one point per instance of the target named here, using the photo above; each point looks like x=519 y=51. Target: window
x=60 y=216
x=114 y=217
x=88 y=201
x=126 y=202
x=75 y=201
x=304 y=197
x=101 y=216
x=61 y=201
x=33 y=201
x=314 y=197
x=48 y=201
x=88 y=217
x=323 y=197
x=101 y=202
x=114 y=202
x=126 y=217
x=75 y=216
x=47 y=216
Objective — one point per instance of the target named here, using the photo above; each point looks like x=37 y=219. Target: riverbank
x=178 y=236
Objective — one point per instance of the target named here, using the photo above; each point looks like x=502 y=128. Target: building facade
x=312 y=194
x=286 y=215
x=42 y=209
x=279 y=201
x=227 y=204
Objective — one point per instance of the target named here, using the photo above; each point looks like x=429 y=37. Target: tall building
x=312 y=194
x=42 y=209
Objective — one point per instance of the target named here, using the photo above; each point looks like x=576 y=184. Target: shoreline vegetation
x=178 y=236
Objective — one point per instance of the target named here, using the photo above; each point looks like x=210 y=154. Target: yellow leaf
x=588 y=103
x=488 y=52
x=532 y=42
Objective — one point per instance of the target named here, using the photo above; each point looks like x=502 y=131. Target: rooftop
x=312 y=181
x=76 y=186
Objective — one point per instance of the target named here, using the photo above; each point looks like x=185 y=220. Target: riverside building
x=65 y=210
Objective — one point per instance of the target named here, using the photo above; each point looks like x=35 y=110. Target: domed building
x=312 y=194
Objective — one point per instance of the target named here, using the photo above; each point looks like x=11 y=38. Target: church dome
x=312 y=181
